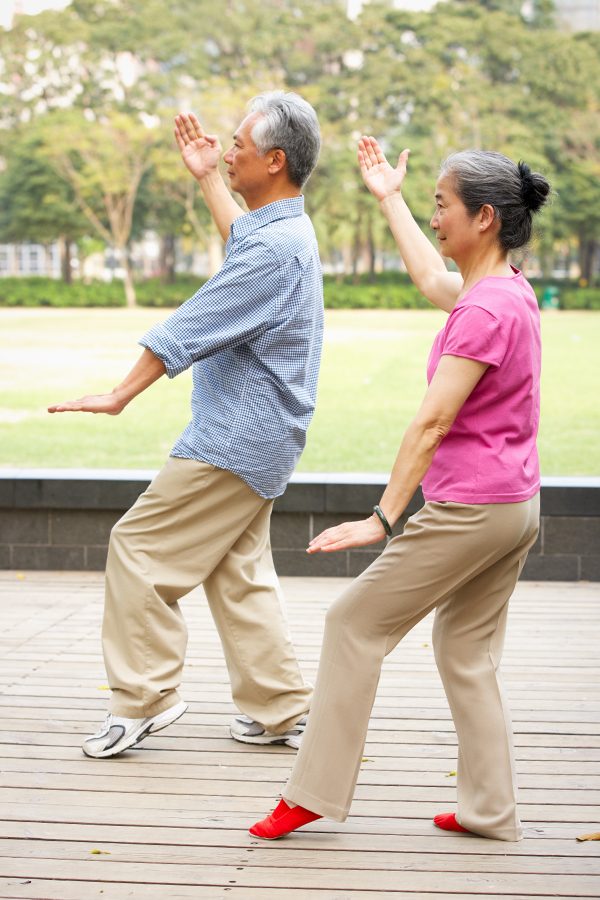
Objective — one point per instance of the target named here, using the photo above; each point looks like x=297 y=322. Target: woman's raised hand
x=381 y=178
x=200 y=152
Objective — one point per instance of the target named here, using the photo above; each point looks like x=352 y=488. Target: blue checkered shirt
x=253 y=335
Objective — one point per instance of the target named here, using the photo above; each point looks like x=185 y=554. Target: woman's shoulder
x=500 y=296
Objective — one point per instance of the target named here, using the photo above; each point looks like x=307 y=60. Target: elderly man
x=252 y=335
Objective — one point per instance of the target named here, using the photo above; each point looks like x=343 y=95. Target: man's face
x=248 y=172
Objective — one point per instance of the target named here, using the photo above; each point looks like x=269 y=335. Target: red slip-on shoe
x=447 y=822
x=282 y=821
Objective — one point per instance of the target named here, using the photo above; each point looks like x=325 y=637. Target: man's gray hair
x=514 y=191
x=290 y=123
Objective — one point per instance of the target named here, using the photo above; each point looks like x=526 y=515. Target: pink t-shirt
x=490 y=455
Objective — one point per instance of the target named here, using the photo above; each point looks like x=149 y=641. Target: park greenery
x=372 y=381
x=88 y=95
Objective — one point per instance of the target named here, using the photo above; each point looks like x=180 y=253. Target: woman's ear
x=487 y=216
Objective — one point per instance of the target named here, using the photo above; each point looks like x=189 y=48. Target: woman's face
x=457 y=232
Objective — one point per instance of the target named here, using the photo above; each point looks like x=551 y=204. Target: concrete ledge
x=61 y=519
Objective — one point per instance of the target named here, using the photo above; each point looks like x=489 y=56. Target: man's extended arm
x=201 y=154
x=146 y=371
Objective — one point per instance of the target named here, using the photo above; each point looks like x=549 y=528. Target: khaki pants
x=196 y=524
x=464 y=561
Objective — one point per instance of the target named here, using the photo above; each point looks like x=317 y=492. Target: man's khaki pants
x=464 y=561
x=196 y=524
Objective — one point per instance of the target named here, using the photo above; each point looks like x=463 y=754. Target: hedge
x=390 y=290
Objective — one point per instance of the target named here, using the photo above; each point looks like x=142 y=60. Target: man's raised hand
x=200 y=152
x=381 y=178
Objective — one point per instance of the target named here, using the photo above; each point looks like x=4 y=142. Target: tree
x=103 y=162
x=35 y=204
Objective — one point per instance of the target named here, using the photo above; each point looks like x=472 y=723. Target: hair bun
x=534 y=188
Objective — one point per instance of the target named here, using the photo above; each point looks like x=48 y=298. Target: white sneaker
x=118 y=733
x=246 y=730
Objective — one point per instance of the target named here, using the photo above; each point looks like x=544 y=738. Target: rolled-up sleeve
x=235 y=306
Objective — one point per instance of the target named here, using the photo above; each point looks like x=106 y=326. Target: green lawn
x=371 y=383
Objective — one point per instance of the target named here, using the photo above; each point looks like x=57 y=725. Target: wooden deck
x=169 y=820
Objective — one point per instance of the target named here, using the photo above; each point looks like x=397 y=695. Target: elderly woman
x=473 y=445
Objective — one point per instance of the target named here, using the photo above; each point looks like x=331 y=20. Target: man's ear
x=277 y=161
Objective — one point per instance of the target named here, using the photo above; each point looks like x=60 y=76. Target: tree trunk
x=356 y=254
x=65 y=259
x=587 y=252
x=371 y=250
x=167 y=258
x=128 y=280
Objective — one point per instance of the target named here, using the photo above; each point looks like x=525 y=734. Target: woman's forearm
x=424 y=264
x=416 y=452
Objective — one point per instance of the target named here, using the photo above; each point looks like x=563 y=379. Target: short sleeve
x=235 y=306
x=474 y=333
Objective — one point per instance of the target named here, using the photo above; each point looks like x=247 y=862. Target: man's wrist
x=121 y=396
x=391 y=198
x=210 y=179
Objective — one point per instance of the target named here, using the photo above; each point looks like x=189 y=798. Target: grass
x=371 y=384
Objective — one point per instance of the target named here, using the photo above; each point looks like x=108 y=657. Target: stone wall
x=61 y=519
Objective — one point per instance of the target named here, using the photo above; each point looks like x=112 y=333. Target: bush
x=390 y=290
x=37 y=291
x=579 y=298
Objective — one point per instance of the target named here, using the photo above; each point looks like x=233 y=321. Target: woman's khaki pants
x=196 y=524
x=463 y=561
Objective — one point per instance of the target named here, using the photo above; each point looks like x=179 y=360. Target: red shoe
x=282 y=821
x=447 y=821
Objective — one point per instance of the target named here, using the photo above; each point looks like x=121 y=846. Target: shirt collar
x=256 y=218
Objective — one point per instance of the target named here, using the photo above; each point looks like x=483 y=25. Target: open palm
x=109 y=404
x=200 y=152
x=378 y=175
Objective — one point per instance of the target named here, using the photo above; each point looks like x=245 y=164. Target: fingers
x=403 y=160
x=68 y=406
x=188 y=127
x=196 y=125
x=180 y=141
x=337 y=538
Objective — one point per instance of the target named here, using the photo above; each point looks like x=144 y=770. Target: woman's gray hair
x=290 y=123
x=514 y=191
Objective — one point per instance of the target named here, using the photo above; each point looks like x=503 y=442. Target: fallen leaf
x=20 y=576
x=103 y=687
x=595 y=836
x=104 y=852
x=424 y=645
x=366 y=759
x=450 y=774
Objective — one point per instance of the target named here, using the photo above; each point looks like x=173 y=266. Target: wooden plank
x=346 y=840
x=40 y=889
x=171 y=778
x=164 y=818
x=292 y=855
x=104 y=868
x=258 y=806
x=386 y=794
